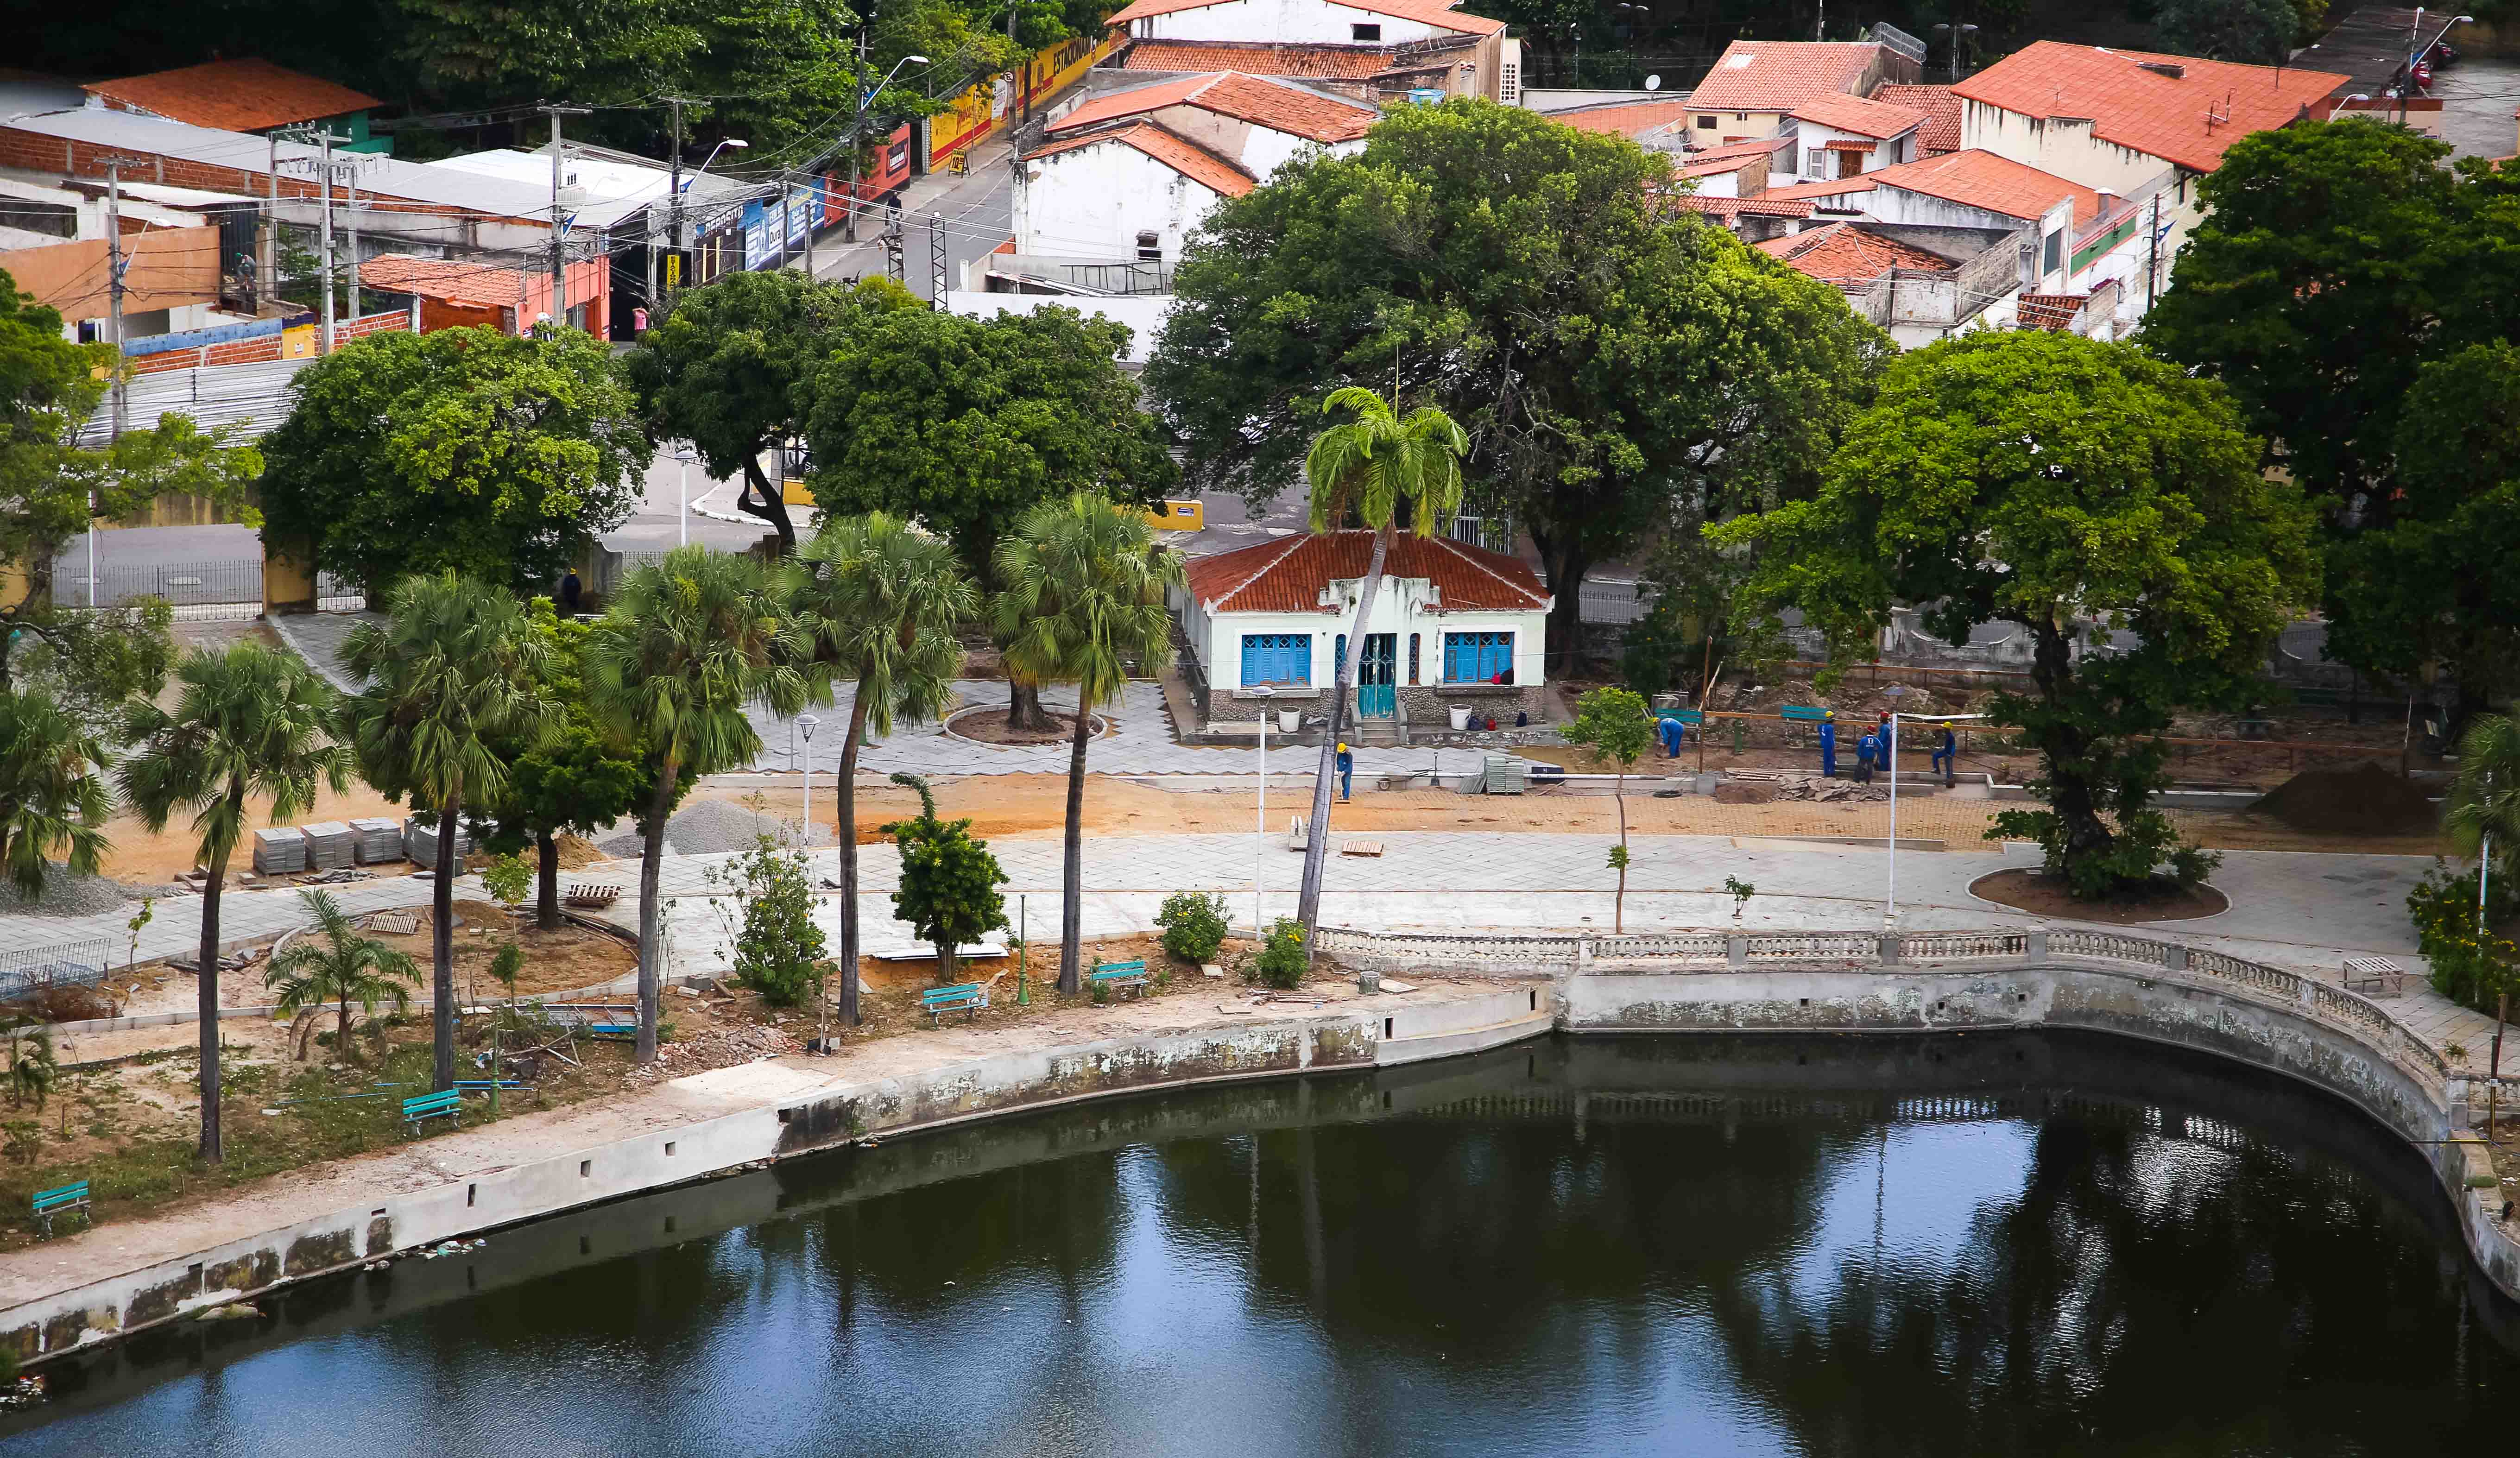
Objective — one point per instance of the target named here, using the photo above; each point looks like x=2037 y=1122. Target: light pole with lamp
x=1956 y=32
x=805 y=725
x=1890 y=892
x=2343 y=102
x=857 y=138
x=683 y=515
x=1260 y=858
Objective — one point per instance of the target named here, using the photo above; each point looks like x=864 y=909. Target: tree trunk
x=342 y=1036
x=441 y=950
x=1071 y=876
x=1619 y=906
x=208 y=1006
x=1308 y=906
x=2063 y=749
x=1023 y=707
x=946 y=963
x=546 y=890
x=1565 y=629
x=771 y=507
x=652 y=866
x=848 y=839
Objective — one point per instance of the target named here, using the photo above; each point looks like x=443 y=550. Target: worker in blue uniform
x=1829 y=743
x=1673 y=734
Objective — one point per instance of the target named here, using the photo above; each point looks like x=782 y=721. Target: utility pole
x=674 y=227
x=857 y=132
x=2152 y=256
x=814 y=200
x=351 y=218
x=324 y=232
x=114 y=268
x=936 y=261
x=560 y=220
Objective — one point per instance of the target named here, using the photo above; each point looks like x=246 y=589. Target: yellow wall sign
x=673 y=270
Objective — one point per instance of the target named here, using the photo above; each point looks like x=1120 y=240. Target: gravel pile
x=716 y=827
x=64 y=894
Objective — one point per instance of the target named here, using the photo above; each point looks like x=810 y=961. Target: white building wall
x=1095 y=201
x=2073 y=150
x=1811 y=135
x=1297 y=22
x=1400 y=607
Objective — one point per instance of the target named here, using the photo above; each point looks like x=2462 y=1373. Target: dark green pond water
x=2007 y=1244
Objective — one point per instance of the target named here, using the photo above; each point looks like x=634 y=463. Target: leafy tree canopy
x=1610 y=356
x=2257 y=31
x=2069 y=486
x=726 y=366
x=463 y=450
x=960 y=424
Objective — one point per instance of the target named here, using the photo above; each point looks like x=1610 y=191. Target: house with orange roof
x=1126 y=176
x=246 y=95
x=1756 y=84
x=1836 y=135
x=1454 y=626
x=1374 y=50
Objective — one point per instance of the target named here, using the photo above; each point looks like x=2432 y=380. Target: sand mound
x=2366 y=799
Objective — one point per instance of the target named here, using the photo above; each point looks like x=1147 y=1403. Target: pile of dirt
x=1732 y=792
x=718 y=1047
x=2366 y=799
x=2160 y=899
x=1831 y=791
x=576 y=853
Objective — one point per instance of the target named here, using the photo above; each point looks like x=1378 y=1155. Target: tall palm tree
x=880 y=601
x=687 y=644
x=53 y=795
x=1376 y=466
x=1083 y=599
x=453 y=674
x=249 y=720
x=343 y=968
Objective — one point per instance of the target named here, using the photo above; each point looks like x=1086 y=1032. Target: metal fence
x=71 y=964
x=197 y=589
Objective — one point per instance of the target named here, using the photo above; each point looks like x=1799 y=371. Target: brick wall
x=396 y=322
x=40 y=152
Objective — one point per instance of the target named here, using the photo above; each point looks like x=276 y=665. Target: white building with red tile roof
x=1375 y=49
x=1756 y=84
x=1836 y=135
x=1453 y=624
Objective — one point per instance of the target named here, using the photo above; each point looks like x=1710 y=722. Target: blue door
x=1376 y=696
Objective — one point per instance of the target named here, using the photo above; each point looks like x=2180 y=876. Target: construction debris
x=1829 y=790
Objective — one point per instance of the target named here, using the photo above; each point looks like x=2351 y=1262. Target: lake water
x=2007 y=1244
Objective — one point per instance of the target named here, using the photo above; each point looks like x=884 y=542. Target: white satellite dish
x=1653 y=83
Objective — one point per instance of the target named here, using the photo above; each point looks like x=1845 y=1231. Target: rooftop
x=1437 y=13
x=1287 y=576
x=1857 y=116
x=241 y=96
x=2177 y=108
x=1256 y=58
x=1733 y=156
x=1260 y=100
x=1941 y=131
x=478 y=285
x=1848 y=255
x=611 y=185
x=2372 y=45
x=1765 y=205
x=1973 y=179
x=1183 y=156
x=1633 y=119
x=1777 y=75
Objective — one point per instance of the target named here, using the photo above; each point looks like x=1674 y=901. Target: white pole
x=685 y=514
x=1890 y=893
x=1260 y=857
x=809 y=724
x=2483 y=849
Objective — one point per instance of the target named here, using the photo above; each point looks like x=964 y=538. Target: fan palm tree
x=453 y=674
x=1376 y=466
x=53 y=795
x=880 y=601
x=686 y=646
x=343 y=968
x=248 y=721
x=2483 y=819
x=1083 y=599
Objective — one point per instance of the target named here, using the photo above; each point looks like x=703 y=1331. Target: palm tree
x=1371 y=466
x=1084 y=598
x=249 y=720
x=2483 y=819
x=880 y=601
x=53 y=797
x=342 y=968
x=453 y=674
x=687 y=644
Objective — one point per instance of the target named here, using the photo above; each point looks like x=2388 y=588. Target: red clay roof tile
x=1259 y=100
x=1857 y=116
x=1974 y=179
x=2190 y=118
x=1255 y=59
x=2051 y=311
x=1288 y=576
x=238 y=96
x=1941 y=131
x=453 y=279
x=1436 y=13
x=1768 y=204
x=1184 y=156
x=1848 y=257
x=1626 y=119
x=1777 y=75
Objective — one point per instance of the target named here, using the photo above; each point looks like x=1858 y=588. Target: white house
x=1129 y=176
x=1454 y=625
x=1840 y=136
x=1374 y=50
x=1756 y=84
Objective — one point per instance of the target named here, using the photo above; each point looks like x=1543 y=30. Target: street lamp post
x=683 y=515
x=805 y=723
x=1890 y=892
x=2343 y=102
x=857 y=137
x=1260 y=857
x=1956 y=32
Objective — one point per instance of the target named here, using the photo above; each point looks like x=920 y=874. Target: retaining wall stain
x=158 y=1303
x=381 y=1239
x=310 y=1253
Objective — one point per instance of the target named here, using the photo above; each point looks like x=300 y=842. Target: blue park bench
x=625 y=1030
x=1129 y=974
x=61 y=1200
x=968 y=997
x=446 y=1105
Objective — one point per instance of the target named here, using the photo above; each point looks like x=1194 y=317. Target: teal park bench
x=484 y=1085
x=1116 y=975
x=447 y=1105
x=622 y=1030
x=968 y=997
x=1802 y=721
x=62 y=1201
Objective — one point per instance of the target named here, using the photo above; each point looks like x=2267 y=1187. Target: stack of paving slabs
x=419 y=840
x=279 y=851
x=377 y=839
x=328 y=846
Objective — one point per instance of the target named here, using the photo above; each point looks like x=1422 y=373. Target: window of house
x=1478 y=657
x=1151 y=248
x=1813 y=158
x=1706 y=123
x=1740 y=116
x=1363 y=31
x=1413 y=657
x=1279 y=659
x=2055 y=253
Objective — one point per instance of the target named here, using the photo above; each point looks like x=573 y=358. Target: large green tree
x=688 y=644
x=2259 y=33
x=725 y=369
x=251 y=720
x=881 y=602
x=962 y=425
x=454 y=676
x=1084 y=602
x=2069 y=486
x=1611 y=356
x=463 y=450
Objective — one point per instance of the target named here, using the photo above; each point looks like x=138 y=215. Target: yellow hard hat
x=1829 y=713
x=1342 y=749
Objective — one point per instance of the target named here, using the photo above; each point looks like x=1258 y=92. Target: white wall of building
x=1093 y=203
x=1402 y=607
x=1297 y=22
x=1143 y=313
x=1812 y=137
x=2072 y=150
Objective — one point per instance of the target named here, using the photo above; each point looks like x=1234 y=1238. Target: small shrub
x=2468 y=968
x=25 y=1140
x=1193 y=923
x=1280 y=962
x=777 y=947
x=1101 y=993
x=2190 y=865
